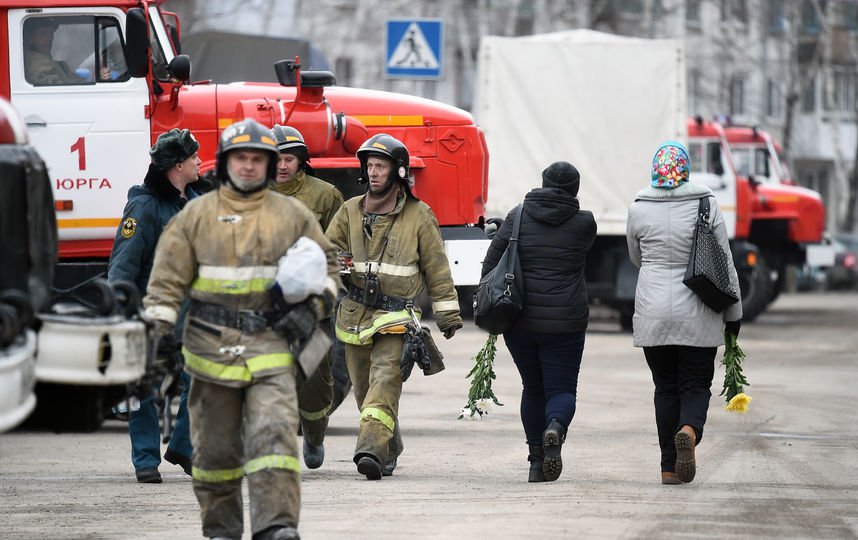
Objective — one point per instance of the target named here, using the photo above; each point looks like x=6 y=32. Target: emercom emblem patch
x=129 y=227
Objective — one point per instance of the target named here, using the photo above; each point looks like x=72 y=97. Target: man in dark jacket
x=547 y=339
x=172 y=180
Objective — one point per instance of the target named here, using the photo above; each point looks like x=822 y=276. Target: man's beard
x=245 y=186
x=384 y=190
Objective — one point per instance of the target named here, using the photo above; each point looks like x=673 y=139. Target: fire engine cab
x=97 y=81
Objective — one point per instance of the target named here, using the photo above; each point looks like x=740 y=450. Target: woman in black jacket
x=547 y=339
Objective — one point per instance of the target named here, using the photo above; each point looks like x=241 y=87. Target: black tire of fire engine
x=756 y=286
x=9 y=325
x=21 y=302
x=127 y=297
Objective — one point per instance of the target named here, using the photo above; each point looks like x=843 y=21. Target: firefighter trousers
x=315 y=396
x=236 y=433
x=377 y=381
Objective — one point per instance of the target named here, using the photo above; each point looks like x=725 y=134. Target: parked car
x=844 y=273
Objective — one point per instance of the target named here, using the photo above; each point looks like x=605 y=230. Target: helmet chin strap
x=234 y=185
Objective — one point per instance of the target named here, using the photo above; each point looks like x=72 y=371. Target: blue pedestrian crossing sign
x=414 y=48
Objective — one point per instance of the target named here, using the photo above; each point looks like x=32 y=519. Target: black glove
x=165 y=336
x=733 y=327
x=299 y=322
x=450 y=331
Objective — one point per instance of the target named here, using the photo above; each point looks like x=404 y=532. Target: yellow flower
x=739 y=404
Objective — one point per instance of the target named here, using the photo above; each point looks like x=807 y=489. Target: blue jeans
x=548 y=365
x=145 y=430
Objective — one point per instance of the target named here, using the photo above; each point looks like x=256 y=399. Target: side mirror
x=136 y=43
x=286 y=71
x=753 y=180
x=180 y=67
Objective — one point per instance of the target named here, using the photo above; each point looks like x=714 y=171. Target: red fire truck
x=108 y=79
x=787 y=220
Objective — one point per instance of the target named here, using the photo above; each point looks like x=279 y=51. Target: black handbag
x=500 y=294
x=708 y=273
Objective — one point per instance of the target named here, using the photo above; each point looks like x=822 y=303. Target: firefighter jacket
x=407 y=254
x=321 y=198
x=223 y=249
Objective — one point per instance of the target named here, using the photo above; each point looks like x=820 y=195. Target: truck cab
x=787 y=220
x=96 y=82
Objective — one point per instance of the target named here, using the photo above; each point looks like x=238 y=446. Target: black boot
x=552 y=441
x=536 y=457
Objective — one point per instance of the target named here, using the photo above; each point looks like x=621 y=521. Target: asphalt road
x=786 y=469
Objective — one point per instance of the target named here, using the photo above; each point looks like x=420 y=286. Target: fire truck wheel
x=127 y=297
x=755 y=285
x=21 y=302
x=9 y=325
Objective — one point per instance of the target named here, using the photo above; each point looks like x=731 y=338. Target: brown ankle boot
x=670 y=478
x=536 y=458
x=686 y=465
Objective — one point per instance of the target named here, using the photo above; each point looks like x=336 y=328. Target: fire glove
x=165 y=336
x=299 y=322
x=733 y=327
x=451 y=331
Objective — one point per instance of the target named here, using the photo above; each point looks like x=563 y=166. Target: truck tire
x=756 y=285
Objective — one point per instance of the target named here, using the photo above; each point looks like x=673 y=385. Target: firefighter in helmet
x=224 y=248
x=397 y=252
x=294 y=178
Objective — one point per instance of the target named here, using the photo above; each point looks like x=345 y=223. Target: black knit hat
x=563 y=175
x=173 y=147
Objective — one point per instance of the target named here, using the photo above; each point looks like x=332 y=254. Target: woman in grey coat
x=679 y=334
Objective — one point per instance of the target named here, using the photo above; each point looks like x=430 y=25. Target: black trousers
x=683 y=378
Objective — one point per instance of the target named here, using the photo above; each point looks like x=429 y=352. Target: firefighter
x=397 y=251
x=224 y=249
x=294 y=178
x=172 y=180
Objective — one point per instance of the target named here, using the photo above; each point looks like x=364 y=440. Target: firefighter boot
x=369 y=466
x=552 y=442
x=278 y=532
x=536 y=457
x=314 y=455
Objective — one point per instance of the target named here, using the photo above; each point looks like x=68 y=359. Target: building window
x=840 y=96
x=777 y=16
x=808 y=97
x=737 y=95
x=810 y=23
x=692 y=12
x=694 y=77
x=343 y=71
x=774 y=99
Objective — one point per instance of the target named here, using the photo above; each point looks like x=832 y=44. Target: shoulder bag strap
x=703 y=211
x=513 y=245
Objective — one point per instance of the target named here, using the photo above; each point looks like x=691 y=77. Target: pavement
x=786 y=469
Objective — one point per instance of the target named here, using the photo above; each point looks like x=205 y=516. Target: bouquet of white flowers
x=480 y=396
